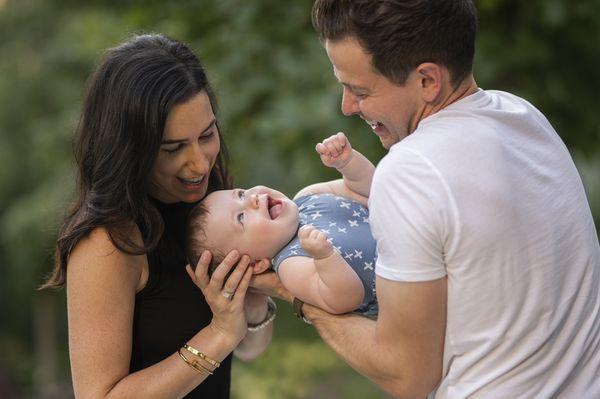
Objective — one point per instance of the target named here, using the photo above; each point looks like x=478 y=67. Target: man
x=489 y=264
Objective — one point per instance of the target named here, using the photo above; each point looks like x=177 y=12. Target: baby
x=320 y=244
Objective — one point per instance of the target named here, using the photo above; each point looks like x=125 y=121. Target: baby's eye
x=241 y=194
x=240 y=218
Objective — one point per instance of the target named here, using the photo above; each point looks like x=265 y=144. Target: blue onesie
x=346 y=223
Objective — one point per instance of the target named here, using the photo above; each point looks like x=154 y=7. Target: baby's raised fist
x=335 y=151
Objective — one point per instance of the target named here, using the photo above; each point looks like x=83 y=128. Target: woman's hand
x=225 y=298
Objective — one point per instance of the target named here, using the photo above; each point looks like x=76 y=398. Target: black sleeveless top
x=171 y=309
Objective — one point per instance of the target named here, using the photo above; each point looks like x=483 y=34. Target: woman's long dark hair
x=118 y=139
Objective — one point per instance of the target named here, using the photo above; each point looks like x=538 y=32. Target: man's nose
x=349 y=103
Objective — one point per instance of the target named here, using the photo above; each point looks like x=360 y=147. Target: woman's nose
x=197 y=161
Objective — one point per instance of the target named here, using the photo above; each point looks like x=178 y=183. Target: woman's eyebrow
x=210 y=125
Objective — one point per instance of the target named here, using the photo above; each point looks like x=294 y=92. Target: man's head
x=393 y=57
x=257 y=222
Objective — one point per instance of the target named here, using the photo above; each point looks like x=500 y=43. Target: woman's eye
x=240 y=218
x=207 y=136
x=174 y=149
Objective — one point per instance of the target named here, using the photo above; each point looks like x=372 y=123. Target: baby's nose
x=253 y=200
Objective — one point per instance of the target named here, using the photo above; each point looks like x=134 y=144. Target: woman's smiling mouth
x=192 y=182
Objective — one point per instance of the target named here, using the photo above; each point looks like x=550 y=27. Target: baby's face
x=258 y=221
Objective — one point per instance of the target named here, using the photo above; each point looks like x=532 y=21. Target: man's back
x=494 y=193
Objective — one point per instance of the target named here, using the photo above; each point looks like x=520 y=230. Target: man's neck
x=448 y=96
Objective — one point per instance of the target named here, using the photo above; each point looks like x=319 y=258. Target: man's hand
x=268 y=283
x=335 y=151
x=314 y=241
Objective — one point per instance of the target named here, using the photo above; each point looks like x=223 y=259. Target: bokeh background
x=277 y=98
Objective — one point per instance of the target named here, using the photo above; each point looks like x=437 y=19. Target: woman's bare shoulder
x=97 y=255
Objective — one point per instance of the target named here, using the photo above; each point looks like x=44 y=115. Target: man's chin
x=388 y=141
x=386 y=138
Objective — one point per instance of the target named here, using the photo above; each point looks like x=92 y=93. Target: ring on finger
x=227 y=294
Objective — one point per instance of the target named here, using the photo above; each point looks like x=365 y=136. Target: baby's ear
x=261 y=265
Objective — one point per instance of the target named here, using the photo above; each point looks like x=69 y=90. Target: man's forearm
x=402 y=351
x=358 y=174
x=353 y=338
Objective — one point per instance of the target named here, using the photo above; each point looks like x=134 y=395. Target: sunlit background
x=277 y=98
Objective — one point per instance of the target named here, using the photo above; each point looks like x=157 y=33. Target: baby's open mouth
x=275 y=207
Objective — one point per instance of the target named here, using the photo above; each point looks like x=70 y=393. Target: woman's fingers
x=191 y=273
x=231 y=285
x=242 y=287
x=218 y=276
x=200 y=275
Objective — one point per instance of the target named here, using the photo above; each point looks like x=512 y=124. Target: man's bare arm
x=402 y=351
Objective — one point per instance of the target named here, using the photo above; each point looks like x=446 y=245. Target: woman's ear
x=261 y=265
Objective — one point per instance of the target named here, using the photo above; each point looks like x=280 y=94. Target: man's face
x=391 y=110
x=258 y=221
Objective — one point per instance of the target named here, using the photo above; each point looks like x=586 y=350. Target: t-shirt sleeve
x=411 y=217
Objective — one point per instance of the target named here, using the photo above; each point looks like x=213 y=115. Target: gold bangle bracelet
x=201 y=355
x=195 y=365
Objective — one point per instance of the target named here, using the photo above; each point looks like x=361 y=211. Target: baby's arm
x=357 y=171
x=325 y=280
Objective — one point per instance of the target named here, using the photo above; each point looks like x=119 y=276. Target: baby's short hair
x=196 y=239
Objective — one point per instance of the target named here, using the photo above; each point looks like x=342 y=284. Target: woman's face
x=188 y=151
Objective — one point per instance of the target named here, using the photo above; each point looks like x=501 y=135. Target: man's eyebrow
x=210 y=125
x=354 y=88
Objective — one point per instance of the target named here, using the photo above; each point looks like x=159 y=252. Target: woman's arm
x=256 y=341
x=102 y=282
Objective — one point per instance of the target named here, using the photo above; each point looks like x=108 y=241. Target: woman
x=148 y=148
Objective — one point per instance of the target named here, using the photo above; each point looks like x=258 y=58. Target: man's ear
x=260 y=265
x=433 y=78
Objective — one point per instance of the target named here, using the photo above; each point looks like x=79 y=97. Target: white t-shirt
x=486 y=193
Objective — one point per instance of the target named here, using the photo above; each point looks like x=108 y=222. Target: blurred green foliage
x=277 y=98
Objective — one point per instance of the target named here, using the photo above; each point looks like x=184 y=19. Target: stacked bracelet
x=271 y=312
x=201 y=355
x=194 y=364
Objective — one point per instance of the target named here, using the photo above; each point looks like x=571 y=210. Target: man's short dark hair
x=401 y=34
